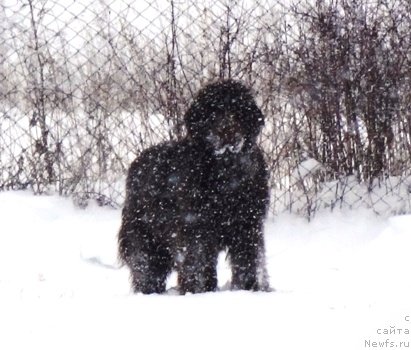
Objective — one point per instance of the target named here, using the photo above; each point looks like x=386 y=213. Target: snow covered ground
x=342 y=281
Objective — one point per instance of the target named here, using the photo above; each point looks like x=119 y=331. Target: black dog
x=186 y=201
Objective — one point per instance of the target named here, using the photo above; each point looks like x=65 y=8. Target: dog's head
x=224 y=116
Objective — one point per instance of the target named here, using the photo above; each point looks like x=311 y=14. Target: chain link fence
x=86 y=85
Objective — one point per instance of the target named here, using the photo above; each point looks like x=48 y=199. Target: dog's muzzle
x=221 y=146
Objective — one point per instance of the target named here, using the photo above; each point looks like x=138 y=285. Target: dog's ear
x=254 y=119
x=195 y=119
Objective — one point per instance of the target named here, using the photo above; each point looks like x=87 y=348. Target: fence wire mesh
x=87 y=85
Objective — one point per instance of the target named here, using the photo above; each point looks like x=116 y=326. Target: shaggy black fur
x=186 y=201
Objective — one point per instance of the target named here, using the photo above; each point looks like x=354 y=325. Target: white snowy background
x=340 y=280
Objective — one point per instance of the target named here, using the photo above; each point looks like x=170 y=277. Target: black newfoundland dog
x=186 y=201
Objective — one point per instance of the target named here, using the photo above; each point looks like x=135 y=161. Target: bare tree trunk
x=39 y=114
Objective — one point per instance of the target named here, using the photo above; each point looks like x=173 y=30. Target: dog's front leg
x=198 y=255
